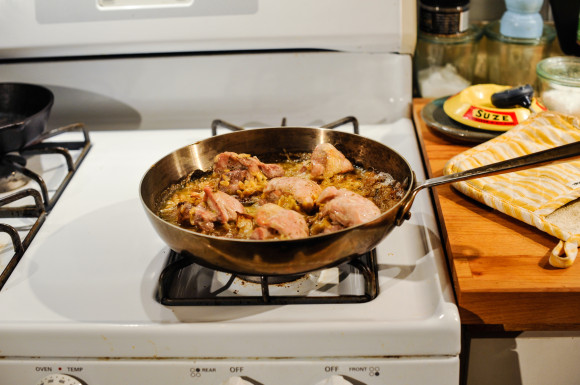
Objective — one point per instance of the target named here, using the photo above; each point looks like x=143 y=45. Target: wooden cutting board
x=499 y=265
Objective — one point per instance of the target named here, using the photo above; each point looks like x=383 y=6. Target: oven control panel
x=314 y=371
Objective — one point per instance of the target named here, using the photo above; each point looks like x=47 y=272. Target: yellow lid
x=473 y=107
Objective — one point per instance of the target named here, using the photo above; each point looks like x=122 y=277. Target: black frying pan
x=24 y=111
x=296 y=256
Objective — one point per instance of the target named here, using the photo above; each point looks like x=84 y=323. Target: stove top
x=84 y=301
x=88 y=283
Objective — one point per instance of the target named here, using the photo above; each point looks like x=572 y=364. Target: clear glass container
x=559 y=84
x=444 y=64
x=511 y=61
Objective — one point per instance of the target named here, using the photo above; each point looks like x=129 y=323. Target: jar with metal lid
x=444 y=17
x=559 y=84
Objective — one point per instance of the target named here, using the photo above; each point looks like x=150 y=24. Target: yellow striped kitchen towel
x=545 y=197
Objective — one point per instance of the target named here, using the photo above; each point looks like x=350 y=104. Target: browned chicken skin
x=238 y=168
x=304 y=191
x=285 y=223
x=346 y=208
x=225 y=206
x=328 y=161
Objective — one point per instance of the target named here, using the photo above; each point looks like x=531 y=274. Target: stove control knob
x=60 y=379
x=237 y=381
x=336 y=380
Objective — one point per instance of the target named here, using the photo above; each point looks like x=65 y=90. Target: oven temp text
x=50 y=369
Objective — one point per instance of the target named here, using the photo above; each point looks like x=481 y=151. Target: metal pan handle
x=541 y=158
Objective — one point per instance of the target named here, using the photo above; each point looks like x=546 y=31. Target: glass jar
x=510 y=59
x=444 y=64
x=559 y=84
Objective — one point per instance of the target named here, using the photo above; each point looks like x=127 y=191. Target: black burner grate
x=217 y=123
x=15 y=163
x=20 y=245
x=186 y=282
x=42 y=146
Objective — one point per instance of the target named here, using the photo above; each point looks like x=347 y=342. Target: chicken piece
x=274 y=221
x=345 y=207
x=271 y=170
x=327 y=194
x=232 y=161
x=227 y=161
x=327 y=161
x=203 y=218
x=261 y=233
x=230 y=181
x=225 y=206
x=304 y=191
x=216 y=207
x=181 y=213
x=237 y=169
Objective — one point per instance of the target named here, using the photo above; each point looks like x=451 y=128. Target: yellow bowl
x=473 y=107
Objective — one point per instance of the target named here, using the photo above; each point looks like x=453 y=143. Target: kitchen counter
x=498 y=264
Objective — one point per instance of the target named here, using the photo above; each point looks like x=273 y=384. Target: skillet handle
x=541 y=158
x=13 y=126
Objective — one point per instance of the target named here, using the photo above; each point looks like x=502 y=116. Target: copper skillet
x=297 y=256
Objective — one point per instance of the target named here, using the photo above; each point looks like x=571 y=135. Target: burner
x=185 y=282
x=282 y=279
x=244 y=285
x=10 y=178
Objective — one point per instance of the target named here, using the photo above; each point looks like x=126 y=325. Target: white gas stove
x=84 y=303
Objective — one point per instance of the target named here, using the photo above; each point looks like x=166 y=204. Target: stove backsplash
x=189 y=91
